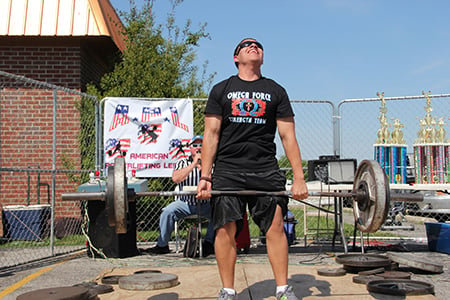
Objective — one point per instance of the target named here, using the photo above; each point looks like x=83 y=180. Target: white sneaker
x=288 y=294
x=223 y=295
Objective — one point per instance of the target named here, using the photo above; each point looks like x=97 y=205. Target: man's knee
x=227 y=230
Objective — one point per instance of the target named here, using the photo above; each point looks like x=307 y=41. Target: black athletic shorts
x=227 y=209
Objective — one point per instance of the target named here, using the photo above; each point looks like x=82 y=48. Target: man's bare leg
x=277 y=248
x=225 y=250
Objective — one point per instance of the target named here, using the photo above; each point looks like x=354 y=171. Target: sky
x=327 y=49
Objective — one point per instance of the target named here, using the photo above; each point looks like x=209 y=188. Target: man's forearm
x=181 y=174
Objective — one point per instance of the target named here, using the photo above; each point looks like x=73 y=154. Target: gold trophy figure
x=397 y=133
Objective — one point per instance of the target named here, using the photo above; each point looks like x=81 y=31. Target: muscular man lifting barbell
x=242 y=116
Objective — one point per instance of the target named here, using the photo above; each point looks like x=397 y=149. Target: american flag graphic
x=150 y=112
x=117 y=147
x=176 y=119
x=149 y=133
x=182 y=150
x=120 y=116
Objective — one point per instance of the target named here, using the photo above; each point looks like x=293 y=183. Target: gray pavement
x=253 y=278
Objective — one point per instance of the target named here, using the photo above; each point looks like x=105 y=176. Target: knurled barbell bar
x=370 y=194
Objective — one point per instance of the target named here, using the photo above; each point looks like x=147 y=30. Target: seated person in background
x=187 y=172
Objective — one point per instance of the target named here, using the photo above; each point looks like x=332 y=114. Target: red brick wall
x=26 y=114
x=58 y=65
x=26 y=142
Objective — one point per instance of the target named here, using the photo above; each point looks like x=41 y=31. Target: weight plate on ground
x=371 y=271
x=112 y=279
x=120 y=195
x=363 y=279
x=395 y=275
x=355 y=270
x=102 y=289
x=148 y=281
x=110 y=197
x=147 y=271
x=371 y=196
x=58 y=293
x=400 y=287
x=363 y=260
x=87 y=284
x=331 y=272
x=412 y=260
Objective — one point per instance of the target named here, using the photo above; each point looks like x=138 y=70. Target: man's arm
x=209 y=149
x=181 y=174
x=286 y=129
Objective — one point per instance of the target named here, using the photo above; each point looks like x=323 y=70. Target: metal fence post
x=52 y=214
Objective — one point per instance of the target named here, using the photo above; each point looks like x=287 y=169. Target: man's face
x=196 y=146
x=249 y=50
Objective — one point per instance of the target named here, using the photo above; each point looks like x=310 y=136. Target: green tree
x=158 y=61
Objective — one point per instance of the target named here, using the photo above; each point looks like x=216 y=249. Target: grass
x=71 y=240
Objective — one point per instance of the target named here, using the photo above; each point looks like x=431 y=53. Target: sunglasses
x=196 y=145
x=247 y=44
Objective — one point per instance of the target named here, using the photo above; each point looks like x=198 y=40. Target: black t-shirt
x=249 y=111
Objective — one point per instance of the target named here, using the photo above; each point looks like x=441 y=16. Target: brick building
x=66 y=43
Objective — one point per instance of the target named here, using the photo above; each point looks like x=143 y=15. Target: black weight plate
x=355 y=270
x=371 y=271
x=57 y=293
x=363 y=260
x=112 y=279
x=102 y=289
x=87 y=284
x=393 y=266
x=400 y=287
x=363 y=279
x=147 y=271
x=395 y=275
x=331 y=272
x=92 y=295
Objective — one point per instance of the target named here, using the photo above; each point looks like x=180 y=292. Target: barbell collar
x=83 y=196
x=400 y=197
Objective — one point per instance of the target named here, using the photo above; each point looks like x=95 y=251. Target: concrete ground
x=199 y=279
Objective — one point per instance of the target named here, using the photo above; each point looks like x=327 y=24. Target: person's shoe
x=288 y=294
x=207 y=249
x=158 y=250
x=223 y=295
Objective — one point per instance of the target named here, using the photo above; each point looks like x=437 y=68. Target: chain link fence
x=423 y=123
x=44 y=151
x=51 y=141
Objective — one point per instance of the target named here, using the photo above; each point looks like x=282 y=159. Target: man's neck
x=249 y=72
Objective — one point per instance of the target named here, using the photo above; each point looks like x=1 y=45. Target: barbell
x=370 y=195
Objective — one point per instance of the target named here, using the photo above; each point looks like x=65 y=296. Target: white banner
x=150 y=134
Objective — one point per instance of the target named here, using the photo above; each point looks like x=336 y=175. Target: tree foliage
x=158 y=61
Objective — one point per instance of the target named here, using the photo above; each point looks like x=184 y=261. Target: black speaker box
x=104 y=237
x=332 y=170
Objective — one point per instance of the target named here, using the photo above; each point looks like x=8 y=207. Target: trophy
x=431 y=148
